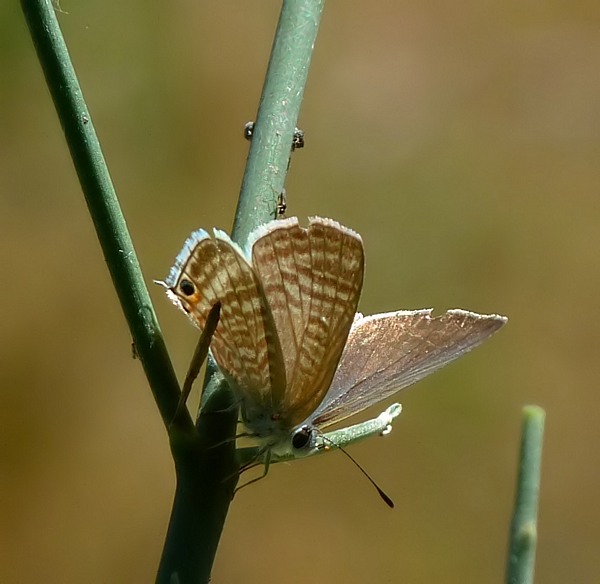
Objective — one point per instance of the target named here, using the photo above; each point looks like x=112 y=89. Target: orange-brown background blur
x=461 y=140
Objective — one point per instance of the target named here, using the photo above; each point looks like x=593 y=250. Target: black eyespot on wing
x=187 y=287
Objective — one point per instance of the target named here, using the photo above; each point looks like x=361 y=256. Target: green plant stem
x=277 y=116
x=523 y=536
x=103 y=206
x=206 y=476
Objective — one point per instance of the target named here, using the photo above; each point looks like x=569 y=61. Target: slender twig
x=277 y=117
x=523 y=536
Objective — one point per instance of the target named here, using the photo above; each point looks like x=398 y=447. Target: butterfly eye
x=187 y=287
x=302 y=437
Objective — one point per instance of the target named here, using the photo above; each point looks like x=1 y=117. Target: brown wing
x=312 y=280
x=245 y=344
x=388 y=352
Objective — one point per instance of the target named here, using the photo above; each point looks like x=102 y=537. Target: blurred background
x=462 y=140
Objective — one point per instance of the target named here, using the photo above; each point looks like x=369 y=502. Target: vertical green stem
x=206 y=476
x=523 y=536
x=277 y=116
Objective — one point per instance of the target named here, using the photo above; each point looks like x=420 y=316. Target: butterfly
x=289 y=340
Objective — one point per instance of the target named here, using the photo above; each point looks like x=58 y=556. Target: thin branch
x=199 y=356
x=276 y=121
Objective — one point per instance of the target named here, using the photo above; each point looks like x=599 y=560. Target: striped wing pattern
x=312 y=279
x=245 y=343
x=388 y=352
x=286 y=338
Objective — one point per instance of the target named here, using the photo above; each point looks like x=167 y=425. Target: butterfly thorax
x=264 y=423
x=275 y=433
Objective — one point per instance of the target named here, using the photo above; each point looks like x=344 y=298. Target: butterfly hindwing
x=388 y=352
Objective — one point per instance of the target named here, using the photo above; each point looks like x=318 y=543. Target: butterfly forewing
x=244 y=343
x=388 y=352
x=312 y=280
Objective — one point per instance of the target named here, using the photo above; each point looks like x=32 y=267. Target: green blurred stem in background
x=204 y=453
x=523 y=534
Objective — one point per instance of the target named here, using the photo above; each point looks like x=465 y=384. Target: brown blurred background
x=462 y=140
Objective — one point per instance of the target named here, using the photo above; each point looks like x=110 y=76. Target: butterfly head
x=306 y=439
x=274 y=431
x=299 y=442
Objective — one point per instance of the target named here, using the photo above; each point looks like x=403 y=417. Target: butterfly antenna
x=386 y=499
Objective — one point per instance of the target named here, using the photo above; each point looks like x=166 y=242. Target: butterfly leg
x=252 y=464
x=233 y=439
x=229 y=408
